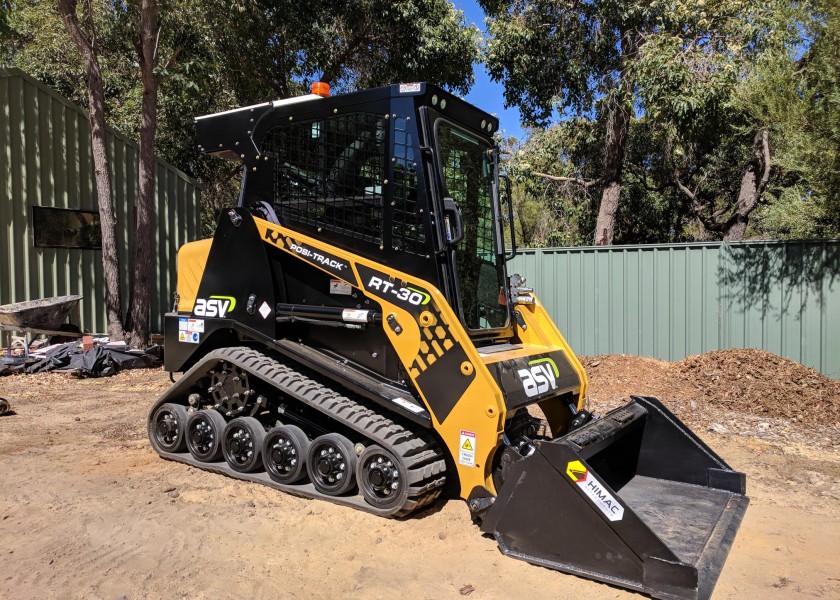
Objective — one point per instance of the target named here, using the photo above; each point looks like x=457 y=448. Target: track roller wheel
x=382 y=478
x=167 y=428
x=284 y=453
x=331 y=464
x=242 y=444
x=204 y=435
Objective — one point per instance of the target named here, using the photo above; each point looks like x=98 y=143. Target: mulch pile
x=762 y=383
x=745 y=381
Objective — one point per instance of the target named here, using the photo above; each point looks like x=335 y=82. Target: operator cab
x=406 y=175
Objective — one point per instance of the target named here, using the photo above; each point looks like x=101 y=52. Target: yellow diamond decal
x=576 y=471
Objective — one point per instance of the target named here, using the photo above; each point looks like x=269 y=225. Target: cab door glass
x=468 y=176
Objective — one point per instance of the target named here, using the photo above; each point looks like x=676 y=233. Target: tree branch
x=586 y=184
x=67 y=8
x=641 y=176
x=681 y=186
x=331 y=72
x=172 y=58
x=765 y=150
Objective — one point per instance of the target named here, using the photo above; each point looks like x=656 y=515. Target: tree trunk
x=102 y=172
x=753 y=184
x=617 y=126
x=140 y=306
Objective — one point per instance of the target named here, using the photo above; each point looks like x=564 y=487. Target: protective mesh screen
x=329 y=173
x=407 y=225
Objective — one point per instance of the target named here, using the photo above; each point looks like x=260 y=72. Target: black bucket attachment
x=634 y=499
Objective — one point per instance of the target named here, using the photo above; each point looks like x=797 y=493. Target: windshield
x=469 y=176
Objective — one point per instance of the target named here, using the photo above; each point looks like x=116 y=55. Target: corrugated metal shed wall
x=672 y=301
x=45 y=160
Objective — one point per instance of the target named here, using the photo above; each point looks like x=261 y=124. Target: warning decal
x=466 y=448
x=189 y=337
x=594 y=489
x=192 y=325
x=337 y=286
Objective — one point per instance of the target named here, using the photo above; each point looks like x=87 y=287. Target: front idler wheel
x=284 y=454
x=331 y=464
x=242 y=444
x=382 y=478
x=167 y=428
x=204 y=435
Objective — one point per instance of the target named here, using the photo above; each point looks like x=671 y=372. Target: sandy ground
x=87 y=510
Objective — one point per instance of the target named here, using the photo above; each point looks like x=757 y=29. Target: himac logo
x=215 y=306
x=594 y=490
x=576 y=471
x=540 y=376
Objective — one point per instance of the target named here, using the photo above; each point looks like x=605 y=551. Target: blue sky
x=486 y=94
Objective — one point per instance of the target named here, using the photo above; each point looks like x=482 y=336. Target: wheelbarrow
x=44 y=316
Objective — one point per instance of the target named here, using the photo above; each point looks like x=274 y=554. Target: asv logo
x=539 y=377
x=216 y=306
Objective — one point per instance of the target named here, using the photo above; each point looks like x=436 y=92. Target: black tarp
x=101 y=361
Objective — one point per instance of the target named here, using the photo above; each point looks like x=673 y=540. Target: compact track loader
x=350 y=333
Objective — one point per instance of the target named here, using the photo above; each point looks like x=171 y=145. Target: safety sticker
x=340 y=288
x=408 y=88
x=191 y=325
x=265 y=310
x=466 y=448
x=189 y=337
x=594 y=489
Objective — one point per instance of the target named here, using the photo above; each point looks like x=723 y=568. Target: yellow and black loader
x=351 y=333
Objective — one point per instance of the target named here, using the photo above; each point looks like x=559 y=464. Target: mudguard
x=634 y=499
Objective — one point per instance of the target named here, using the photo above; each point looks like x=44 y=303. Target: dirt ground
x=87 y=510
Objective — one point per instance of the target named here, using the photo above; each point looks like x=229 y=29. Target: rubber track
x=422 y=458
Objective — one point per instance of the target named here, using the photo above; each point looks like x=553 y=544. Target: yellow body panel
x=542 y=331
x=192 y=258
x=480 y=410
x=426 y=334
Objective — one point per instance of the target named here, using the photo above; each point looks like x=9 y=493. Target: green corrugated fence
x=672 y=301
x=45 y=160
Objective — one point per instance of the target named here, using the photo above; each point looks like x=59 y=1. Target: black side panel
x=534 y=378
x=238 y=268
x=442 y=382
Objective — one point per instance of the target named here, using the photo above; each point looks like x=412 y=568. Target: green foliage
x=563 y=213
x=702 y=78
x=570 y=57
x=799 y=100
x=218 y=54
x=551 y=212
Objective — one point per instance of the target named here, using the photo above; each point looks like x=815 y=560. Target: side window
x=329 y=173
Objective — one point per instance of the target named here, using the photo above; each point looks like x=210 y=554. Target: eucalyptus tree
x=164 y=62
x=675 y=62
